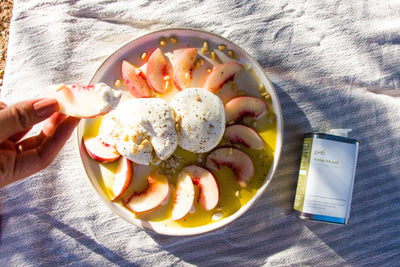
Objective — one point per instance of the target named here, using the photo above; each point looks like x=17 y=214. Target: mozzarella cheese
x=142 y=130
x=201 y=118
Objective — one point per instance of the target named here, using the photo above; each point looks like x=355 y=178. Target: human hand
x=21 y=158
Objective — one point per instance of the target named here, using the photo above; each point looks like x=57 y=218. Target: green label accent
x=303 y=173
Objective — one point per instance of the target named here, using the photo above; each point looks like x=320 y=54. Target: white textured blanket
x=334 y=64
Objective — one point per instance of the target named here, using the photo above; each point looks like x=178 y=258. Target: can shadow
x=269 y=228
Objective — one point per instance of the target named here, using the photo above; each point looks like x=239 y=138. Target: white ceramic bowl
x=109 y=71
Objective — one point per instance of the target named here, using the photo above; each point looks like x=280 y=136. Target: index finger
x=24 y=115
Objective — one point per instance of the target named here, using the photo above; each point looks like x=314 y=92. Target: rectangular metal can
x=326 y=178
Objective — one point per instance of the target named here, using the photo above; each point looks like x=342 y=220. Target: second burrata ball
x=201 y=119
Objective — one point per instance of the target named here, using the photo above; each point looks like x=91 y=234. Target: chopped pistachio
x=173 y=39
x=221 y=47
x=163 y=41
x=143 y=56
x=117 y=83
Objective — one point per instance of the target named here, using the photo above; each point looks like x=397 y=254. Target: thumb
x=24 y=115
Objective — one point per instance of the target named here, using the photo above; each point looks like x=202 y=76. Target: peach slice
x=208 y=195
x=135 y=80
x=100 y=151
x=84 y=101
x=184 y=67
x=221 y=74
x=242 y=106
x=117 y=178
x=184 y=196
x=242 y=134
x=123 y=177
x=208 y=187
x=155 y=194
x=240 y=163
x=159 y=72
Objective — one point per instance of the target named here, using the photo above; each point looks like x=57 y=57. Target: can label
x=326 y=178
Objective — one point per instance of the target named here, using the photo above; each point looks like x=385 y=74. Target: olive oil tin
x=326 y=178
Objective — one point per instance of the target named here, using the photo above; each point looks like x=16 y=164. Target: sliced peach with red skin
x=135 y=80
x=100 y=151
x=117 y=177
x=221 y=74
x=155 y=194
x=159 y=72
x=123 y=177
x=242 y=106
x=184 y=67
x=208 y=187
x=184 y=196
x=245 y=135
x=208 y=195
x=84 y=101
x=238 y=161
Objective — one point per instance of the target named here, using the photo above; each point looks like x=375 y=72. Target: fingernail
x=45 y=108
